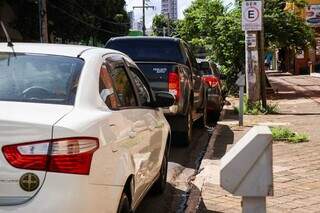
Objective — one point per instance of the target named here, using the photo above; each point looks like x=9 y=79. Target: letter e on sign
x=251 y=16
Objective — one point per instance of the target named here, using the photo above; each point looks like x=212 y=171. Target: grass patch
x=287 y=135
x=256 y=108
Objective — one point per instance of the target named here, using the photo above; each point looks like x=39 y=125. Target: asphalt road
x=183 y=165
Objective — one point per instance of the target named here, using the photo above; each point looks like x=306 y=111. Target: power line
x=84 y=22
x=99 y=18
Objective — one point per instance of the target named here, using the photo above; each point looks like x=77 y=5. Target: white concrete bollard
x=246 y=170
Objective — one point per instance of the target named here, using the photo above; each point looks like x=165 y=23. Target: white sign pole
x=251 y=24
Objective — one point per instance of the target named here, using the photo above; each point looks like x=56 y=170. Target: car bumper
x=70 y=193
x=214 y=99
x=214 y=102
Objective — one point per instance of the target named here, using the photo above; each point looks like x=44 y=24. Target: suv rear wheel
x=186 y=135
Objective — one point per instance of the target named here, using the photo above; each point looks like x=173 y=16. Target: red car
x=212 y=78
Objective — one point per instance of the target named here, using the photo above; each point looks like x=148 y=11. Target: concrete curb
x=317 y=75
x=194 y=198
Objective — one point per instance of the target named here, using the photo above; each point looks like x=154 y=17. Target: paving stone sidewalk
x=296 y=166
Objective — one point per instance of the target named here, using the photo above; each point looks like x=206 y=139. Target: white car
x=80 y=130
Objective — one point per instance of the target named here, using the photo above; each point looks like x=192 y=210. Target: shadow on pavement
x=160 y=203
x=174 y=199
x=224 y=138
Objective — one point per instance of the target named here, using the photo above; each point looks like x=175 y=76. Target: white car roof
x=50 y=49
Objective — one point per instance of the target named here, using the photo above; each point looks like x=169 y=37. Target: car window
x=143 y=93
x=106 y=89
x=205 y=68
x=123 y=87
x=39 y=78
x=148 y=49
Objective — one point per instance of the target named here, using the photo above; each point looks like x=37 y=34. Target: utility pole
x=164 y=31
x=262 y=67
x=43 y=21
x=144 y=17
x=252 y=25
x=144 y=7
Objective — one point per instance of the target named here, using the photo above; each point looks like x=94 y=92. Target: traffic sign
x=251 y=16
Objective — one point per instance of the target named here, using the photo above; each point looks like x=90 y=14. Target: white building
x=170 y=8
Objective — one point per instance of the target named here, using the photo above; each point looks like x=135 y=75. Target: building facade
x=170 y=8
x=304 y=61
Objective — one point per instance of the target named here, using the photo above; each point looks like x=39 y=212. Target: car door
x=127 y=121
x=154 y=119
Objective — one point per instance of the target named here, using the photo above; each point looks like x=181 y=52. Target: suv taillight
x=69 y=155
x=174 y=84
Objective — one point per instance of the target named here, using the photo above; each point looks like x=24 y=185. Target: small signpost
x=241 y=82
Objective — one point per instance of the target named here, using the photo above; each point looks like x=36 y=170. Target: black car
x=169 y=65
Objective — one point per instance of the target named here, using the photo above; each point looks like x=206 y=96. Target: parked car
x=212 y=78
x=80 y=130
x=169 y=65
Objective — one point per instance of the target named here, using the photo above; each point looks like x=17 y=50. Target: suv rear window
x=205 y=68
x=39 y=78
x=148 y=50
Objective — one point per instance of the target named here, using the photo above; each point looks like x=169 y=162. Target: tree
x=161 y=22
x=73 y=20
x=208 y=23
x=285 y=29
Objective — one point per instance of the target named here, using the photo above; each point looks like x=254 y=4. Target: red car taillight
x=210 y=80
x=69 y=155
x=174 y=84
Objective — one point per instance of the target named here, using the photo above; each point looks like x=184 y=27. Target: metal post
x=241 y=91
x=310 y=66
x=254 y=205
x=43 y=21
x=262 y=68
x=144 y=7
x=241 y=83
x=144 y=17
x=40 y=19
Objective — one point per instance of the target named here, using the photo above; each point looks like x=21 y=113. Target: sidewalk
x=296 y=166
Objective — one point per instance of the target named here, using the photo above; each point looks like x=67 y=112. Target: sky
x=182 y=5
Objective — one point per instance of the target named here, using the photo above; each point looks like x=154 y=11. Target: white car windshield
x=39 y=78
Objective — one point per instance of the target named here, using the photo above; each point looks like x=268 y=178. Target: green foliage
x=207 y=23
x=73 y=20
x=285 y=29
x=285 y=134
x=256 y=108
x=160 y=22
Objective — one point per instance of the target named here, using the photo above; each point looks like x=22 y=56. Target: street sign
x=251 y=16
